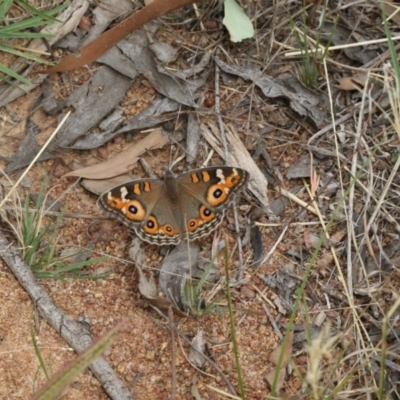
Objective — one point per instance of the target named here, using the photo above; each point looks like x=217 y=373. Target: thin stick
x=350 y=212
x=173 y=351
x=228 y=162
x=272 y=250
x=219 y=117
x=291 y=196
x=345 y=46
x=44 y=147
x=272 y=224
x=58 y=213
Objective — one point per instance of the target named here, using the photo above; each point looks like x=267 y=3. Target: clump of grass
x=192 y=294
x=313 y=53
x=40 y=243
x=25 y=28
x=38 y=239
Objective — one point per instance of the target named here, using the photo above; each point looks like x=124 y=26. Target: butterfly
x=164 y=212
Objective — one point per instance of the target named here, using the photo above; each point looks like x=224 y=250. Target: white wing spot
x=124 y=193
x=220 y=175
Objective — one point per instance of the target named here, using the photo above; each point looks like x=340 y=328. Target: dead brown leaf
x=124 y=161
x=336 y=238
x=310 y=240
x=354 y=82
x=274 y=358
x=325 y=261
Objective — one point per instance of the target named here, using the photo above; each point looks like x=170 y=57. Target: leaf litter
x=263 y=103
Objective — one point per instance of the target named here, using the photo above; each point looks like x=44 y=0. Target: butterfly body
x=166 y=211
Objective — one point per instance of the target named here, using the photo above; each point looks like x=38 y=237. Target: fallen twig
x=71 y=331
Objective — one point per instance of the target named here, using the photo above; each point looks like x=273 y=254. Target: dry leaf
x=197 y=350
x=124 y=161
x=336 y=238
x=325 y=261
x=85 y=23
x=163 y=305
x=274 y=358
x=354 y=82
x=310 y=240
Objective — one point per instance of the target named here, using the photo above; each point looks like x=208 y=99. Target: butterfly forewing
x=134 y=201
x=215 y=187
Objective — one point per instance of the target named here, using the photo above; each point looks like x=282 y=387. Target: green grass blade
x=37 y=12
x=63 y=271
x=204 y=276
x=13 y=74
x=27 y=225
x=4 y=7
x=38 y=353
x=60 y=381
x=66 y=268
x=33 y=22
x=392 y=49
x=86 y=263
x=24 y=35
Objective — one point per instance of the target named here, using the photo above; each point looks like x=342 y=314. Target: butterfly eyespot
x=193 y=224
x=207 y=212
x=217 y=193
x=151 y=225
x=169 y=230
x=133 y=209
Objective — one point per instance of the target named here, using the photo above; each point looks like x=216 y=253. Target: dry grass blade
x=347 y=46
x=44 y=147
